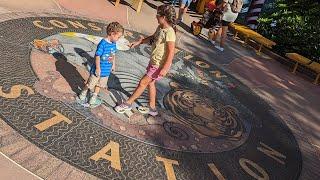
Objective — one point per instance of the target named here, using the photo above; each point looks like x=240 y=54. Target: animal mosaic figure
x=48 y=46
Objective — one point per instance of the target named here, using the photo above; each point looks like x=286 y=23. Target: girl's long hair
x=169 y=13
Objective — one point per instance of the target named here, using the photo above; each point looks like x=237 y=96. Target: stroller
x=210 y=19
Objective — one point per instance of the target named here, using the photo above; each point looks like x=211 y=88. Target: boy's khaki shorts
x=97 y=81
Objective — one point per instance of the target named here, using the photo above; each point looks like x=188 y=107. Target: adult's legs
x=181 y=12
x=223 y=35
x=184 y=4
x=214 y=37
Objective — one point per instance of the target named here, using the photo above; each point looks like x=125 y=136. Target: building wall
x=254 y=11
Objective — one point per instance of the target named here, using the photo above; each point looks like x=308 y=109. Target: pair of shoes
x=148 y=110
x=219 y=48
x=123 y=108
x=83 y=95
x=212 y=41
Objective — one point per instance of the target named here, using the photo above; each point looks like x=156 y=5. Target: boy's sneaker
x=219 y=48
x=83 y=95
x=123 y=108
x=93 y=99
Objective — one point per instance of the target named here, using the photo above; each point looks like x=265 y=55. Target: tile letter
x=216 y=172
x=52 y=121
x=114 y=156
x=168 y=167
x=272 y=153
x=15 y=91
x=248 y=169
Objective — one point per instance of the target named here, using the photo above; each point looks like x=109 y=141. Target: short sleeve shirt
x=228 y=15
x=104 y=50
x=159 y=48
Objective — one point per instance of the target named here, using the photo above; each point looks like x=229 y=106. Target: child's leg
x=85 y=89
x=96 y=89
x=94 y=96
x=101 y=83
x=90 y=84
x=152 y=94
x=144 y=82
x=83 y=93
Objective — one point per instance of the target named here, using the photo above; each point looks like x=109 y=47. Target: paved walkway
x=294 y=100
x=12 y=171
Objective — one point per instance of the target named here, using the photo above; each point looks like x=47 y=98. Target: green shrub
x=294 y=25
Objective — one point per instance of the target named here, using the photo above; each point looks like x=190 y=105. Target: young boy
x=104 y=63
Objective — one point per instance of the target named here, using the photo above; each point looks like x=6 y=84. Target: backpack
x=236 y=6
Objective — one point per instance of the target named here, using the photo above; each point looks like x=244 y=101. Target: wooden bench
x=298 y=59
x=250 y=34
x=137 y=5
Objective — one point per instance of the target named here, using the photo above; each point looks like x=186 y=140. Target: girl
x=163 y=45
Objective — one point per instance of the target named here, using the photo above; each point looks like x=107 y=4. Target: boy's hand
x=98 y=72
x=113 y=69
x=110 y=58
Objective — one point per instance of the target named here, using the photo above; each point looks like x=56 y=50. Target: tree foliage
x=294 y=25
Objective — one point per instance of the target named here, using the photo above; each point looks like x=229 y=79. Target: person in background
x=231 y=9
x=184 y=4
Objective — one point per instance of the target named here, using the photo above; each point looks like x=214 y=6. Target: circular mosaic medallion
x=210 y=124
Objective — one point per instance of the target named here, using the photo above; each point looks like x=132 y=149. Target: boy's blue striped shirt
x=104 y=50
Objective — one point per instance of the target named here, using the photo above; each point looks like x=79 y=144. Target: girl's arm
x=167 y=64
x=98 y=70
x=147 y=39
x=143 y=40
